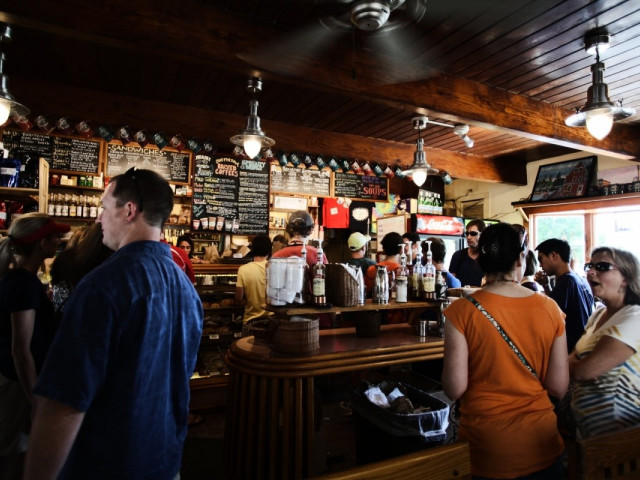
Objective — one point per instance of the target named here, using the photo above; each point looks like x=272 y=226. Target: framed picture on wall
x=569 y=179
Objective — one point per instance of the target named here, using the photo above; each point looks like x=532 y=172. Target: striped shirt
x=610 y=402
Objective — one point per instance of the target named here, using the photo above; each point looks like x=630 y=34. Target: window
x=586 y=223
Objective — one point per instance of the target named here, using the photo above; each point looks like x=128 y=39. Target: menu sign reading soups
x=363 y=187
x=231 y=195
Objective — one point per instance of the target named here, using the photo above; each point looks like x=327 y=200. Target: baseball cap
x=357 y=241
x=300 y=219
x=48 y=227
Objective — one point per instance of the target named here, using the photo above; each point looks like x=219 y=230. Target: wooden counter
x=270 y=409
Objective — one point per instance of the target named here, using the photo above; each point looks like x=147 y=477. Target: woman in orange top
x=505 y=411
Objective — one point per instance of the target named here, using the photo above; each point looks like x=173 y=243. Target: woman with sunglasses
x=605 y=365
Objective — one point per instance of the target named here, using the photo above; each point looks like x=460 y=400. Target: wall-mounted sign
x=62 y=153
x=231 y=194
x=174 y=166
x=301 y=181
x=438 y=225
x=363 y=187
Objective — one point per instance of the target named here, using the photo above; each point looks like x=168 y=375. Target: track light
x=599 y=112
x=462 y=131
x=8 y=104
x=253 y=139
x=420 y=168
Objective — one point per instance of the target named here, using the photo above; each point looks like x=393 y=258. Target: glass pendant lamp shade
x=5 y=109
x=599 y=122
x=420 y=168
x=252 y=145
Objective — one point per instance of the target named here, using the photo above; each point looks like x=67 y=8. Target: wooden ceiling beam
x=113 y=109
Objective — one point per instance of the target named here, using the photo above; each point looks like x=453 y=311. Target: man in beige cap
x=357 y=243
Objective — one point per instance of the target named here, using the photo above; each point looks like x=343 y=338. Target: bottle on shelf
x=85 y=207
x=429 y=276
x=93 y=208
x=318 y=275
x=51 y=208
x=73 y=206
x=79 y=207
x=402 y=278
x=58 y=205
x=65 y=205
x=416 y=277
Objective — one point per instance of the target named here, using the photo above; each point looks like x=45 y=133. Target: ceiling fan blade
x=294 y=52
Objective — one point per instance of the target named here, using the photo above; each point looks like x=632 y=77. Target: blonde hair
x=629 y=266
x=22 y=226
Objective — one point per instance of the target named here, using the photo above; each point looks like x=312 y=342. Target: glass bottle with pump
x=416 y=277
x=318 y=280
x=402 y=278
x=429 y=276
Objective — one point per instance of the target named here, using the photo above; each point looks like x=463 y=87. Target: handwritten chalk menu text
x=364 y=187
x=231 y=194
x=316 y=183
x=62 y=153
x=171 y=165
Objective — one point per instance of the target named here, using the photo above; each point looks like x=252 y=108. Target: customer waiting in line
x=503 y=387
x=605 y=365
x=84 y=252
x=279 y=241
x=528 y=280
x=438 y=254
x=251 y=283
x=27 y=328
x=299 y=227
x=114 y=390
x=571 y=291
x=357 y=243
x=411 y=246
x=464 y=263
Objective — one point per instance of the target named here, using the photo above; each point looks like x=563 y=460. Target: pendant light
x=599 y=112
x=8 y=104
x=420 y=168
x=252 y=138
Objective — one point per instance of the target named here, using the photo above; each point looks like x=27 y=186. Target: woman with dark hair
x=185 y=242
x=605 y=364
x=505 y=353
x=529 y=271
x=26 y=329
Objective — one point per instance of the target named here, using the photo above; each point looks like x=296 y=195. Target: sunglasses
x=600 y=266
x=472 y=234
x=131 y=173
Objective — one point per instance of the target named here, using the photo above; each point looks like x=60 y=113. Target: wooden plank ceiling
x=512 y=70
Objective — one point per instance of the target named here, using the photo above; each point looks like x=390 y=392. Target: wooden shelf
x=77 y=187
x=623 y=200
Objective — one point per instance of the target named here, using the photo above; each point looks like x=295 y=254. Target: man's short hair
x=479 y=224
x=392 y=243
x=561 y=247
x=438 y=249
x=412 y=236
x=261 y=246
x=148 y=190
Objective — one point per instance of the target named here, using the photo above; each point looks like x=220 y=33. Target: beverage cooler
x=449 y=229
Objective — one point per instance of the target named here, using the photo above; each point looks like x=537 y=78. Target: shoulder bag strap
x=503 y=334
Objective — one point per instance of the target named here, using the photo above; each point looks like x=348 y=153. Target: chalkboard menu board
x=364 y=187
x=62 y=153
x=231 y=195
x=316 y=183
x=173 y=166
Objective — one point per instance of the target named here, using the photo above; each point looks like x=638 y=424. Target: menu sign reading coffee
x=364 y=187
x=231 y=195
x=62 y=153
x=316 y=183
x=172 y=165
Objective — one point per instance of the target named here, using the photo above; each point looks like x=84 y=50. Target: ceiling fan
x=375 y=37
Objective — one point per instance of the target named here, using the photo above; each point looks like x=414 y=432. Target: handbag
x=503 y=334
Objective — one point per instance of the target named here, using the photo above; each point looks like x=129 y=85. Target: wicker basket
x=341 y=286
x=296 y=336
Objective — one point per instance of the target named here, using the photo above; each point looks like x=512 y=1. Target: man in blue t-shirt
x=113 y=395
x=571 y=291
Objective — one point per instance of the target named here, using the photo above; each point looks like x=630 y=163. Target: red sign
x=439 y=225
